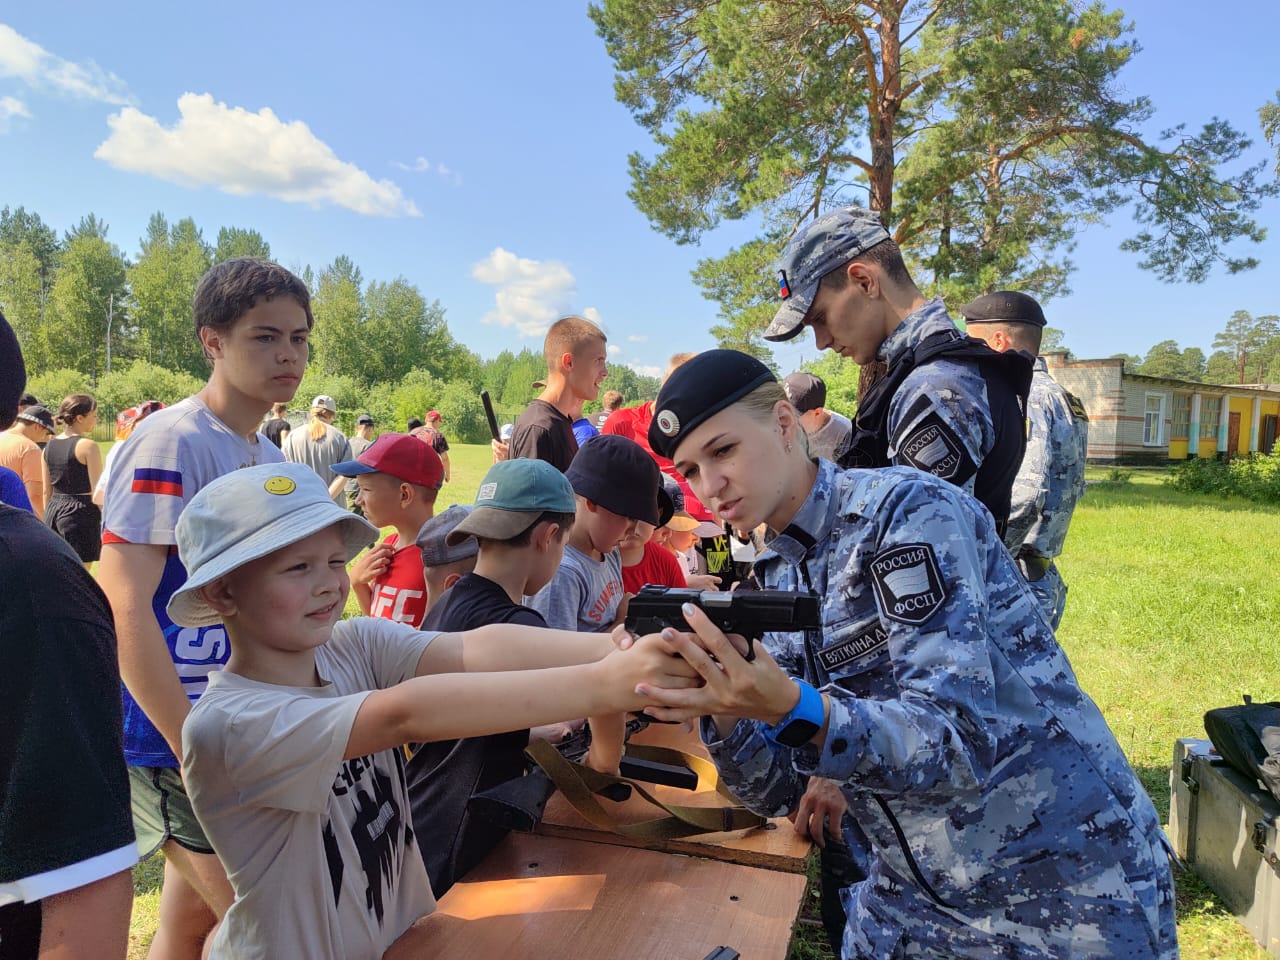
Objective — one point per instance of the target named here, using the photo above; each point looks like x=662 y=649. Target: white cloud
x=646 y=371
x=531 y=294
x=423 y=165
x=614 y=350
x=638 y=338
x=246 y=154
x=33 y=65
x=11 y=107
x=592 y=314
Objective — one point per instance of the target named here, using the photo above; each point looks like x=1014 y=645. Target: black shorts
x=78 y=521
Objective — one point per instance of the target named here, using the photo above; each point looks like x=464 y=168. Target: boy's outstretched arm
x=510 y=646
x=454 y=706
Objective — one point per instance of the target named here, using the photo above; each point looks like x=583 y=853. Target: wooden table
x=549 y=897
x=776 y=846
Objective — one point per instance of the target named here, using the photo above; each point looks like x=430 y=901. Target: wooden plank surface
x=550 y=897
x=776 y=846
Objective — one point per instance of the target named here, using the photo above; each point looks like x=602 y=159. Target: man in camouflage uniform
x=1051 y=478
x=1003 y=817
x=948 y=405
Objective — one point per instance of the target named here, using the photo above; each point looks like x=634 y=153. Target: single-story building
x=1134 y=418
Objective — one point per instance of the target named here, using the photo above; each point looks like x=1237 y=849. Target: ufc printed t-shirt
x=401 y=593
x=167 y=460
x=320 y=851
x=583 y=595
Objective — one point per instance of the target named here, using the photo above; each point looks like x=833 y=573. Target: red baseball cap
x=398 y=455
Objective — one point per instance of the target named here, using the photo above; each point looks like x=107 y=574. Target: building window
x=1153 y=420
x=1181 y=426
x=1210 y=414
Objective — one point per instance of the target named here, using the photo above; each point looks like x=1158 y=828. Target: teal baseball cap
x=512 y=495
x=832 y=239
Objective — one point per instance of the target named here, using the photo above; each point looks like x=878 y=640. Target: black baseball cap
x=616 y=473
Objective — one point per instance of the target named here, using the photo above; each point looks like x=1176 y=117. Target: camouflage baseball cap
x=834 y=238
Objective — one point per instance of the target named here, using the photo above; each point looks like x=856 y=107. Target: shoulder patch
x=933 y=447
x=908 y=583
x=1077 y=408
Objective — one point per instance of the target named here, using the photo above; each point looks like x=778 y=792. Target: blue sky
x=479 y=152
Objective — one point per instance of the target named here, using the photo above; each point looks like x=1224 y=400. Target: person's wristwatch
x=805 y=719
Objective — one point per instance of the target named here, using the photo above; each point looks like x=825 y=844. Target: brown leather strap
x=579 y=785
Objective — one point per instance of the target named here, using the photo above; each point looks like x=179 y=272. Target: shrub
x=1119 y=475
x=1254 y=477
x=49 y=388
x=138 y=381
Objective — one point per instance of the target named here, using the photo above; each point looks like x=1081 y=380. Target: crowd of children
x=264 y=735
x=261 y=731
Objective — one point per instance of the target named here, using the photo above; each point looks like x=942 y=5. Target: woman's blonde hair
x=318 y=426
x=759 y=404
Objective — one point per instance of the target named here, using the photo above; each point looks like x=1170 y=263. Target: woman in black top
x=72 y=462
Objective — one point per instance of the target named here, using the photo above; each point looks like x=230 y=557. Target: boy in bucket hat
x=616 y=484
x=292 y=755
x=522 y=516
x=398 y=478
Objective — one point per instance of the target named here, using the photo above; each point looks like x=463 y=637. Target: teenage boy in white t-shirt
x=253 y=319
x=293 y=755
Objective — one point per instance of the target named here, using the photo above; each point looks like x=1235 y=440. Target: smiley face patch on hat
x=908 y=583
x=280 y=486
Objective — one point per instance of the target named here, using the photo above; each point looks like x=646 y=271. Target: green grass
x=1171 y=612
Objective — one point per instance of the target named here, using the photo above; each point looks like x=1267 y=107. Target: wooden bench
x=539 y=896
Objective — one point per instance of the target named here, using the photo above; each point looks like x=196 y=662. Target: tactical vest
x=1008 y=381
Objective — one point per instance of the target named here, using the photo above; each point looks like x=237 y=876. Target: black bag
x=1248 y=738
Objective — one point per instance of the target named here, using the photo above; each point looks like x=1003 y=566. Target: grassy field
x=1171 y=612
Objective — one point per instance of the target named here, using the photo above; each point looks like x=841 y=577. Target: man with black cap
x=1051 y=478
x=827 y=432
x=948 y=405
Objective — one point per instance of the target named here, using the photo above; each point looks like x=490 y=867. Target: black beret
x=699 y=389
x=1005 y=306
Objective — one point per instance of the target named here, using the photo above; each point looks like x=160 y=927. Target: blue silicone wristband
x=809 y=707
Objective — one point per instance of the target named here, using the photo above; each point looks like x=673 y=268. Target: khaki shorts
x=162 y=811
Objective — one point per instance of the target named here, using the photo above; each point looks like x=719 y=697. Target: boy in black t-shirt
x=575 y=352
x=521 y=518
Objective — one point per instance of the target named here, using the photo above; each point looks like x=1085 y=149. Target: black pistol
x=751 y=613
